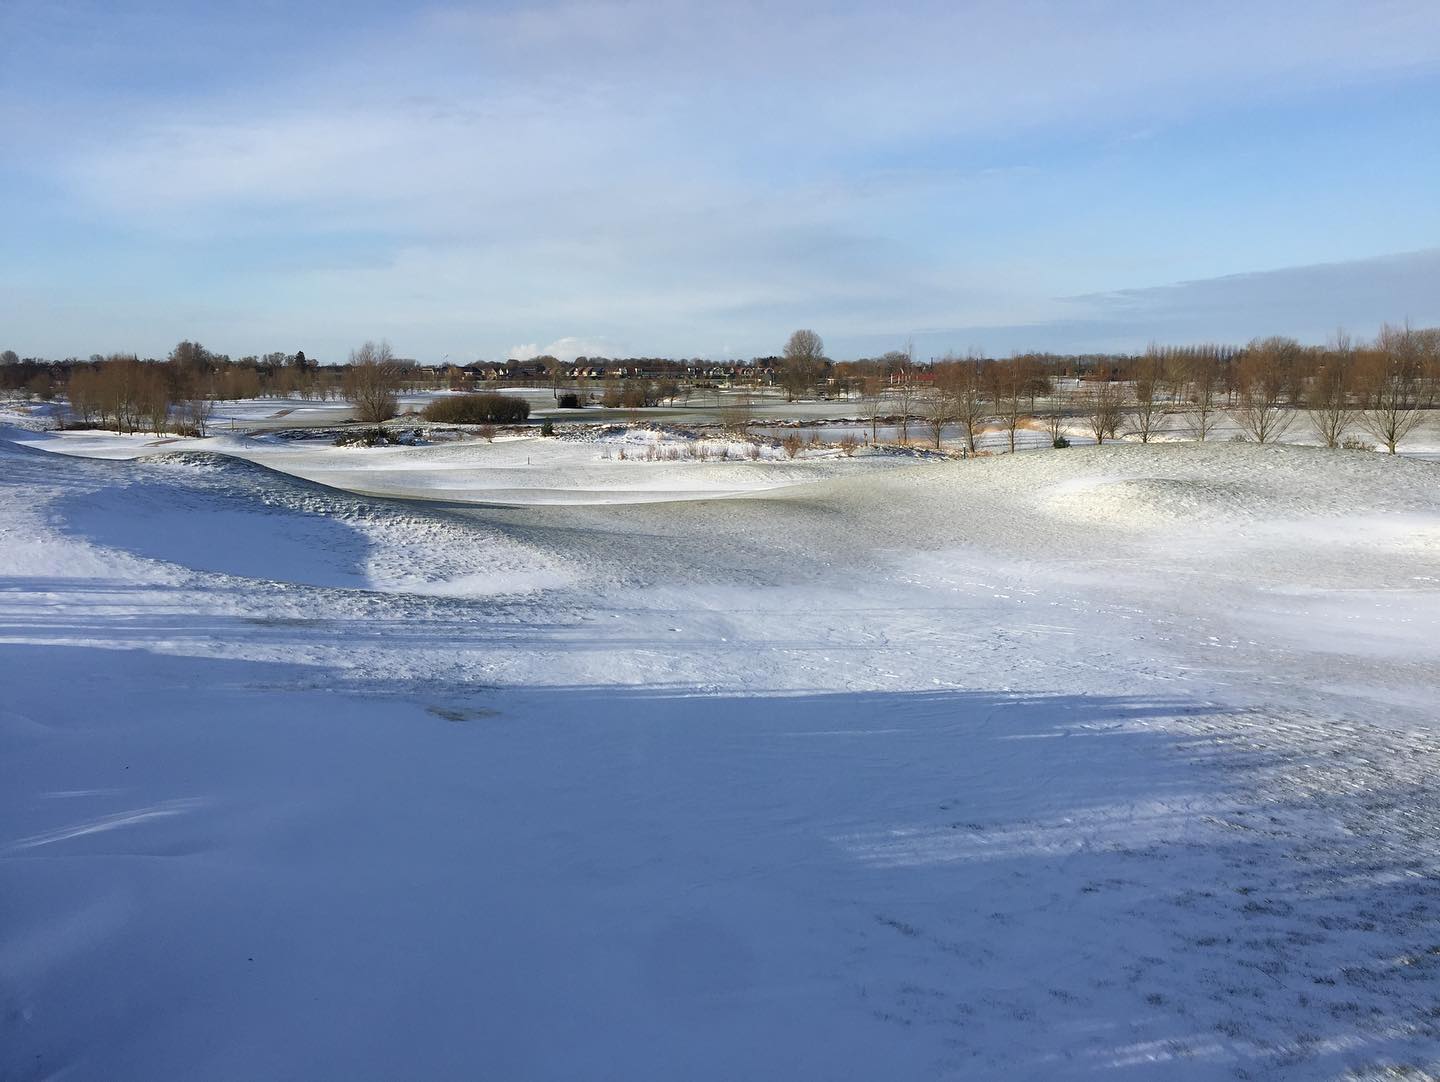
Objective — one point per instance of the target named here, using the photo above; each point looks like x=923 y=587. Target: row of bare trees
x=129 y=395
x=190 y=372
x=1266 y=388
x=1273 y=384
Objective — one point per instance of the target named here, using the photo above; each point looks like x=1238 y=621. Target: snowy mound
x=208 y=513
x=1139 y=500
x=630 y=466
x=1132 y=485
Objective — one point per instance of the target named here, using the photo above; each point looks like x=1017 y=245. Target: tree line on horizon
x=1381 y=387
x=1265 y=386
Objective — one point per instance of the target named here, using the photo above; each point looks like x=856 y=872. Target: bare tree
x=874 y=387
x=196 y=414
x=122 y=393
x=118 y=392
x=1104 y=410
x=967 y=390
x=1264 y=373
x=1392 y=387
x=1056 y=417
x=903 y=388
x=1031 y=377
x=1010 y=401
x=40 y=386
x=1170 y=374
x=82 y=392
x=372 y=381
x=554 y=372
x=1147 y=387
x=937 y=410
x=803 y=362
x=1327 y=396
x=1202 y=375
x=191 y=359
x=1428 y=342
x=153 y=399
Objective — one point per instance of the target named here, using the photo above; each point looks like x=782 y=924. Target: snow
x=508 y=471
x=1108 y=761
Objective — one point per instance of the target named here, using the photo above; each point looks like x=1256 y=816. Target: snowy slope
x=1101 y=762
x=510 y=471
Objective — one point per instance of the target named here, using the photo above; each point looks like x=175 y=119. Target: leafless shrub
x=738 y=412
x=484 y=408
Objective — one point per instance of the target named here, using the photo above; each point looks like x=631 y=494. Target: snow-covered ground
x=626 y=466
x=768 y=413
x=1110 y=762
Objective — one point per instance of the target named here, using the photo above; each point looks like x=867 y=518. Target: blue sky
x=489 y=180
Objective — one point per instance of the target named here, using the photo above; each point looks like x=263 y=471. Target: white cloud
x=567 y=349
x=479 y=114
x=570 y=347
x=667 y=174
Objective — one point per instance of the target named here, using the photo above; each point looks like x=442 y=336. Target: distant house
x=482 y=372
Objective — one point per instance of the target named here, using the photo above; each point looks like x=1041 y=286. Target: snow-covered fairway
x=1101 y=763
